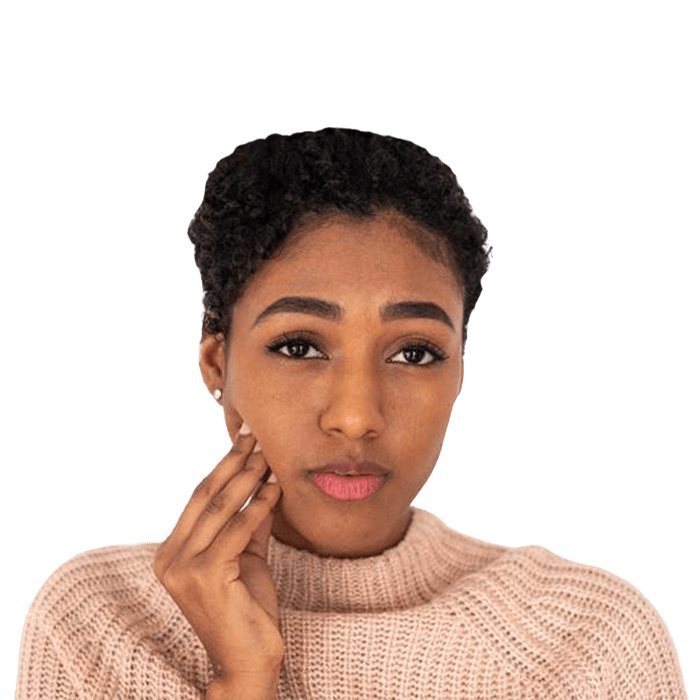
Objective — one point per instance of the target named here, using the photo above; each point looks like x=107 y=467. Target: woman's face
x=344 y=381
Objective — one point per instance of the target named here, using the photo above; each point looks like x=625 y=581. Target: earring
x=217 y=394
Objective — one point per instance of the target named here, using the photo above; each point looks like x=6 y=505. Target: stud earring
x=217 y=394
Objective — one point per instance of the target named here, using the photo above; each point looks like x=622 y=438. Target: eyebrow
x=331 y=311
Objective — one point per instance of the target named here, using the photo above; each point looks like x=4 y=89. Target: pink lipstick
x=348 y=488
x=349 y=482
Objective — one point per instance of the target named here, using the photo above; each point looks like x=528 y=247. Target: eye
x=419 y=354
x=424 y=348
x=286 y=341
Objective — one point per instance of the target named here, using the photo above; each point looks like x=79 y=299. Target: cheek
x=436 y=438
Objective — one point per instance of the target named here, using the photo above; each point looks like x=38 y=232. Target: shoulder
x=100 y=572
x=585 y=592
x=102 y=625
x=589 y=620
x=99 y=591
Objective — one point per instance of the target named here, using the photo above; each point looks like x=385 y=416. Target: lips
x=359 y=469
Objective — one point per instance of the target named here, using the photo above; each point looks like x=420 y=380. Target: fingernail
x=257 y=447
x=272 y=479
x=244 y=429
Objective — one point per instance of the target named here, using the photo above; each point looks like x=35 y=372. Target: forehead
x=359 y=265
x=369 y=260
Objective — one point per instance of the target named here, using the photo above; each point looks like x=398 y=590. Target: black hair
x=267 y=188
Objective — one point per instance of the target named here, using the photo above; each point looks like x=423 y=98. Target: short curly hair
x=265 y=189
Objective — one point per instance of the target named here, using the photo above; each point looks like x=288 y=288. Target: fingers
x=208 y=499
x=244 y=530
x=225 y=505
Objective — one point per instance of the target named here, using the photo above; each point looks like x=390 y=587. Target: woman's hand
x=214 y=565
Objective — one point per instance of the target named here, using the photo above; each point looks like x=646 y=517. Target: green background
x=572 y=124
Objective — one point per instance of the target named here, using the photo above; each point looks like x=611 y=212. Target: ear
x=212 y=361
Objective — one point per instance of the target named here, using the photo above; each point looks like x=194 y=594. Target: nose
x=354 y=406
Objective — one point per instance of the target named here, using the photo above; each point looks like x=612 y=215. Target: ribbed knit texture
x=441 y=615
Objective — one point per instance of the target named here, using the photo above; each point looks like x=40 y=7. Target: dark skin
x=354 y=406
x=356 y=387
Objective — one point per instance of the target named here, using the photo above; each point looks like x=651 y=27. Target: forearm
x=257 y=687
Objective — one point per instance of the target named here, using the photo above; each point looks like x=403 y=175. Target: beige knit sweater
x=441 y=615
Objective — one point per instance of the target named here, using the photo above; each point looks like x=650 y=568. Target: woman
x=340 y=269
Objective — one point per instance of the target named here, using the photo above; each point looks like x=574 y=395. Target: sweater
x=440 y=615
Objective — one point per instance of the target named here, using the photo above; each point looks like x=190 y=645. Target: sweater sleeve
x=641 y=650
x=41 y=673
x=103 y=627
x=612 y=630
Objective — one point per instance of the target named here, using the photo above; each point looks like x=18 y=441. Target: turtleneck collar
x=427 y=561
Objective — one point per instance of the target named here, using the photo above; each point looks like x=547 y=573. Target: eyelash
x=301 y=339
